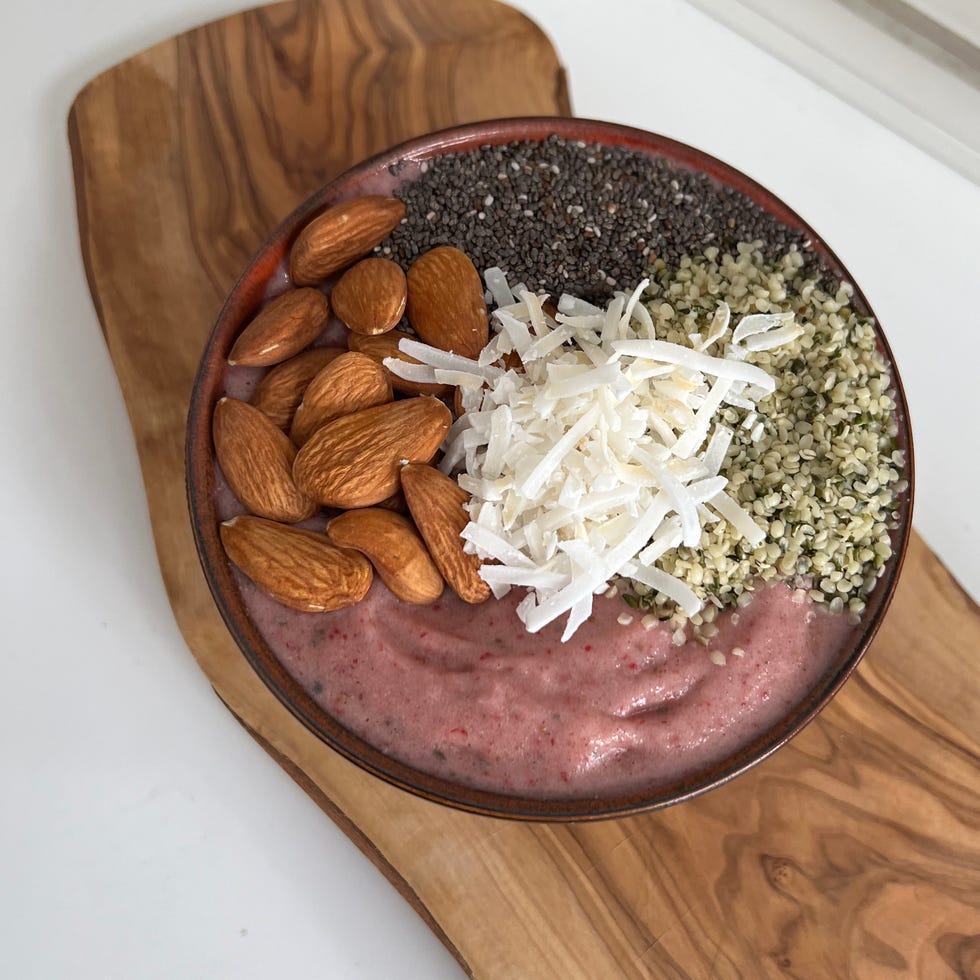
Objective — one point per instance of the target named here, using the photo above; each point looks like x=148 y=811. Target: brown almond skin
x=435 y=502
x=511 y=361
x=282 y=328
x=343 y=233
x=351 y=382
x=394 y=548
x=395 y=502
x=301 y=569
x=356 y=460
x=445 y=301
x=279 y=393
x=256 y=459
x=386 y=345
x=370 y=296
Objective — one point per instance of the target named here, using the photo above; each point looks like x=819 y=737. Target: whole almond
x=282 y=328
x=396 y=551
x=279 y=393
x=256 y=459
x=435 y=502
x=386 y=345
x=356 y=460
x=343 y=233
x=301 y=569
x=351 y=382
x=445 y=301
x=370 y=296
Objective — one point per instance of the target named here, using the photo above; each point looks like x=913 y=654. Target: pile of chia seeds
x=567 y=216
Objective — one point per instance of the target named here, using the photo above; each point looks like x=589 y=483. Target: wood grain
x=853 y=852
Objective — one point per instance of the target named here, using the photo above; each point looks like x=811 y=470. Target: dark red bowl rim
x=246 y=297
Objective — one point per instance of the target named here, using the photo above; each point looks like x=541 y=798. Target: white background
x=143 y=834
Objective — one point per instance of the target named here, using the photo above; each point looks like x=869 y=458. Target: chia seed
x=571 y=217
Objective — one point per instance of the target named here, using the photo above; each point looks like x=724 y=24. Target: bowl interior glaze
x=247 y=296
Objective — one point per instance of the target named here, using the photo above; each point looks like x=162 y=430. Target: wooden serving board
x=852 y=852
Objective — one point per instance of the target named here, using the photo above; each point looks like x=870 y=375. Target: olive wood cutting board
x=852 y=852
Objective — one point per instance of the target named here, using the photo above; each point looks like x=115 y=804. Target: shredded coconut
x=600 y=452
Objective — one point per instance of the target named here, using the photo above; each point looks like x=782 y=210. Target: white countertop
x=143 y=834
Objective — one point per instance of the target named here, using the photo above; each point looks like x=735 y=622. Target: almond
x=445 y=301
x=343 y=233
x=351 y=382
x=386 y=345
x=395 y=502
x=301 y=569
x=282 y=328
x=370 y=296
x=396 y=551
x=256 y=459
x=279 y=393
x=356 y=460
x=436 y=505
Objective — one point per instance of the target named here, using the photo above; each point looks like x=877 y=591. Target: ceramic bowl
x=265 y=272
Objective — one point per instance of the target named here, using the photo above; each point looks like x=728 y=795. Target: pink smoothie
x=463 y=692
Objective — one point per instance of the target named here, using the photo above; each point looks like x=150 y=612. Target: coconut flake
x=738 y=518
x=774 y=338
x=756 y=323
x=714 y=455
x=669 y=585
x=718 y=326
x=500 y=291
x=661 y=350
x=423 y=373
x=446 y=360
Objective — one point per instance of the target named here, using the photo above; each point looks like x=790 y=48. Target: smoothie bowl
x=549 y=469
